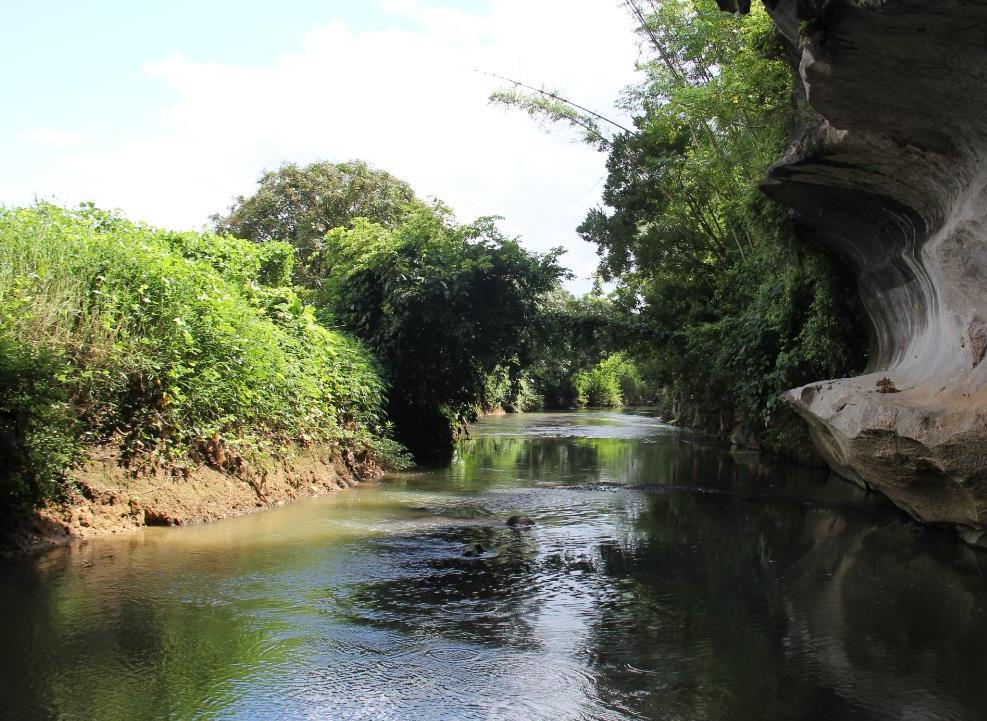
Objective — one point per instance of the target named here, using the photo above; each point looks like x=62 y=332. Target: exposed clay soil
x=111 y=498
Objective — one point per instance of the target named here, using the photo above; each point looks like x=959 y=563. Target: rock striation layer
x=890 y=169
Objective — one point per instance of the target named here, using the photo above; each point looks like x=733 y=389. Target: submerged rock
x=892 y=174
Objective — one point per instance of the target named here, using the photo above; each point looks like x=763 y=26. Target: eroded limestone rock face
x=892 y=172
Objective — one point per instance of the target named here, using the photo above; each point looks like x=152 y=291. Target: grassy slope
x=180 y=349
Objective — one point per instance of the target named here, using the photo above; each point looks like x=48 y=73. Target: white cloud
x=406 y=100
x=50 y=138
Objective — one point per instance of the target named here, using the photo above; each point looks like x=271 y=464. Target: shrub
x=504 y=389
x=614 y=381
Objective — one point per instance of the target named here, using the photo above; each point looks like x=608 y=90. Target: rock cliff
x=890 y=169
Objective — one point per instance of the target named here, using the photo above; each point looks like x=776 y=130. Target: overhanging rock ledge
x=890 y=170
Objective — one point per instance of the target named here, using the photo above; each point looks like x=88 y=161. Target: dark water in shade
x=721 y=590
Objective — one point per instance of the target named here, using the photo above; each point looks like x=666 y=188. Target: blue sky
x=81 y=64
x=70 y=56
x=168 y=110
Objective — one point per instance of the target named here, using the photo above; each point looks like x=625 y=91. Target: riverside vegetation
x=447 y=308
x=334 y=306
x=165 y=344
x=176 y=347
x=379 y=328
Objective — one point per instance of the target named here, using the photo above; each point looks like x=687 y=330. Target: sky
x=169 y=110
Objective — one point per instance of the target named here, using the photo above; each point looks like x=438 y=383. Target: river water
x=664 y=579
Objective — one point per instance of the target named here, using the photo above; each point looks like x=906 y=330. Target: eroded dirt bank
x=109 y=498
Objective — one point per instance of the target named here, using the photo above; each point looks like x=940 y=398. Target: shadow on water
x=664 y=579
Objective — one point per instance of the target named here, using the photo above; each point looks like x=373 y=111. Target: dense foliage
x=574 y=361
x=730 y=310
x=447 y=309
x=505 y=390
x=574 y=335
x=443 y=306
x=165 y=343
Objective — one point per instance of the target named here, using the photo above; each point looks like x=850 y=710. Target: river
x=665 y=578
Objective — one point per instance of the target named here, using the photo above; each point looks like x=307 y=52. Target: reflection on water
x=665 y=579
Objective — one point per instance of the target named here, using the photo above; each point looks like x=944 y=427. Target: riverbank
x=105 y=497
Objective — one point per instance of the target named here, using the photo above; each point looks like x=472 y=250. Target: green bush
x=614 y=381
x=37 y=426
x=163 y=341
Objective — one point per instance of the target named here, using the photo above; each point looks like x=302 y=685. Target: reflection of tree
x=117 y=641
x=491 y=460
x=727 y=609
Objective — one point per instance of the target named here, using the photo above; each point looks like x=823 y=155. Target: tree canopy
x=300 y=204
x=442 y=305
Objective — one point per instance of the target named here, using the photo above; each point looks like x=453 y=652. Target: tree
x=299 y=205
x=442 y=305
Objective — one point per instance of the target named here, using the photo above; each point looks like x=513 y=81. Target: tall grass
x=171 y=344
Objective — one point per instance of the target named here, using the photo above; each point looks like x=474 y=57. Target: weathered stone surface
x=892 y=173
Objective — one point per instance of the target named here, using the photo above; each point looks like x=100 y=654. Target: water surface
x=665 y=579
